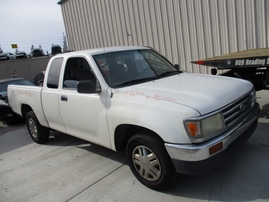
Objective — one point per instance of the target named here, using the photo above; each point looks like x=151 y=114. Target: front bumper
x=196 y=158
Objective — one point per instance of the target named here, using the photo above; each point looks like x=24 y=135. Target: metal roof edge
x=61 y=2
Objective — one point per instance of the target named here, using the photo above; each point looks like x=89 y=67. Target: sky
x=30 y=22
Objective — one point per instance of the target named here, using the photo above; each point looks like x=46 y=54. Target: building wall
x=182 y=30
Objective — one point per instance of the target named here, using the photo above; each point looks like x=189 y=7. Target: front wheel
x=38 y=133
x=150 y=162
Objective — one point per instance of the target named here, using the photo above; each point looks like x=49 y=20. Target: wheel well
x=124 y=132
x=25 y=109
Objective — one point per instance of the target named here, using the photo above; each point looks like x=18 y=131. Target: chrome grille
x=238 y=109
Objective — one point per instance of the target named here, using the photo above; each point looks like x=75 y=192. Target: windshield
x=133 y=66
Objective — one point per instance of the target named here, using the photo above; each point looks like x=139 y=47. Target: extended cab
x=133 y=98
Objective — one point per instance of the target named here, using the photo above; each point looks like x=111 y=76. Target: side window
x=54 y=73
x=77 y=69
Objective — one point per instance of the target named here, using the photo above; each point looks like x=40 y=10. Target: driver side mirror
x=177 y=66
x=87 y=86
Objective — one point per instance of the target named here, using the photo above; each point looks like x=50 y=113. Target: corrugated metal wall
x=182 y=30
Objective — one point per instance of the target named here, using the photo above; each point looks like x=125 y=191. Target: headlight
x=202 y=129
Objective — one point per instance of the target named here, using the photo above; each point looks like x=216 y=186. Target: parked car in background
x=7 y=116
x=55 y=49
x=21 y=55
x=7 y=56
x=37 y=52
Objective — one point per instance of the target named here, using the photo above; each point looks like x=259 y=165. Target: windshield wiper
x=168 y=73
x=135 y=81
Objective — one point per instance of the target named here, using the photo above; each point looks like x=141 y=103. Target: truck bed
x=249 y=58
x=28 y=95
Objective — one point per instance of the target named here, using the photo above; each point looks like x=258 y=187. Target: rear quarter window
x=54 y=73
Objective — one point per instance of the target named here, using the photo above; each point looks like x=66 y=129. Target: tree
x=65 y=48
x=32 y=47
x=1 y=51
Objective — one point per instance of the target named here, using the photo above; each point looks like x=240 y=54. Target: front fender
x=162 y=117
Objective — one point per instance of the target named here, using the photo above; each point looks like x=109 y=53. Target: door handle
x=64 y=98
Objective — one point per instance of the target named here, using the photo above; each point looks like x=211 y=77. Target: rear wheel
x=38 y=133
x=149 y=161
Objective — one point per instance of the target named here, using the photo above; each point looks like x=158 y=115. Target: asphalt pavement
x=70 y=169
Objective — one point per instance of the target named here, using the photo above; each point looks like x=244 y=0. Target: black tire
x=156 y=171
x=38 y=133
x=10 y=122
x=15 y=119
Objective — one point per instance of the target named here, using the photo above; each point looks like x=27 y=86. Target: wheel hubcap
x=32 y=128
x=146 y=163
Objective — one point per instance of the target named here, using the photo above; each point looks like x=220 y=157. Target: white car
x=7 y=56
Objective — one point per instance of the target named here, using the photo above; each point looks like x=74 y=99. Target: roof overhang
x=61 y=2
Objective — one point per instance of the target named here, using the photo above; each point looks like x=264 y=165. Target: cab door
x=83 y=114
x=50 y=94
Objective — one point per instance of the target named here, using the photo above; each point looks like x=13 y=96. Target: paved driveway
x=70 y=169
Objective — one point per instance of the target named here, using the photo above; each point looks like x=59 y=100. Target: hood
x=204 y=93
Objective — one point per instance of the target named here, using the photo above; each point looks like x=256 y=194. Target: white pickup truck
x=134 y=99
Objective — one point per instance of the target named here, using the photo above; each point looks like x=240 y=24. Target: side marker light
x=215 y=148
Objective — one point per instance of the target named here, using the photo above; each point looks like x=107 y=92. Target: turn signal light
x=193 y=128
